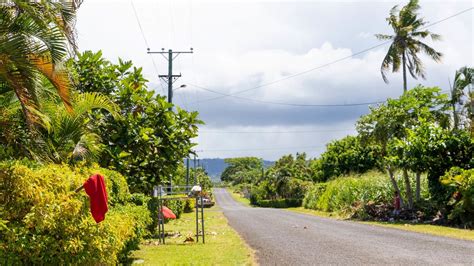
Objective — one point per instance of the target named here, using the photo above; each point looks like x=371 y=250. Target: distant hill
x=214 y=167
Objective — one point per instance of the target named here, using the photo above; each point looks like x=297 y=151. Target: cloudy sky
x=259 y=46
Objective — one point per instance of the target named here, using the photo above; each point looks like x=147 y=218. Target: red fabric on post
x=96 y=190
x=167 y=213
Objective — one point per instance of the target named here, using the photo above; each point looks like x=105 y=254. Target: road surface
x=282 y=237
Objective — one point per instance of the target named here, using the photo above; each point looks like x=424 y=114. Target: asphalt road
x=282 y=237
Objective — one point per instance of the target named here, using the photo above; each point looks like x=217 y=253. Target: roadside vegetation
x=419 y=146
x=65 y=115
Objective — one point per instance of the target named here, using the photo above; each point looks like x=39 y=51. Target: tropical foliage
x=35 y=40
x=461 y=203
x=45 y=222
x=149 y=140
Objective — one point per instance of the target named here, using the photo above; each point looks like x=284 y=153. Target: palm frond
x=85 y=102
x=435 y=55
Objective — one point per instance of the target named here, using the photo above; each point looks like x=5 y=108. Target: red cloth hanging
x=96 y=190
x=167 y=213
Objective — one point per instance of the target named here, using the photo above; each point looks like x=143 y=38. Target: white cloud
x=239 y=45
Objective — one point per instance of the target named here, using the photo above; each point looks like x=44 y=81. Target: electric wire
x=224 y=95
x=275 y=132
x=146 y=43
x=290 y=104
x=264 y=149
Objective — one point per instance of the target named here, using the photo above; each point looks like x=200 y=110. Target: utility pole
x=187 y=173
x=170 y=78
x=195 y=179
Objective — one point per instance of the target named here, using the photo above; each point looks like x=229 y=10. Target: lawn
x=223 y=245
x=465 y=234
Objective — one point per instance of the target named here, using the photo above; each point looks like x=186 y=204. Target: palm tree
x=65 y=137
x=463 y=79
x=406 y=45
x=35 y=39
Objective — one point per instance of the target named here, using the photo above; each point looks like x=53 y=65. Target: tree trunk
x=418 y=188
x=404 y=72
x=408 y=189
x=394 y=182
x=29 y=118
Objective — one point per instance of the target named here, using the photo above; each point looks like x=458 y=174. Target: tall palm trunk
x=408 y=189
x=404 y=72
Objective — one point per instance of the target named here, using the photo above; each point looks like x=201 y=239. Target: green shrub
x=177 y=206
x=349 y=195
x=461 y=183
x=139 y=199
x=311 y=197
x=117 y=188
x=45 y=222
x=189 y=205
x=279 y=203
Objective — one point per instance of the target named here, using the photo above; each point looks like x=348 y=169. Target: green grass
x=436 y=230
x=238 y=197
x=223 y=245
x=465 y=234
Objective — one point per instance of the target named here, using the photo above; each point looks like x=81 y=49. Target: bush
x=189 y=205
x=177 y=206
x=461 y=202
x=279 y=203
x=349 y=195
x=45 y=222
x=311 y=197
x=139 y=199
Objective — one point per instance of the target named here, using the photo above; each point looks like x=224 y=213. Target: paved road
x=282 y=237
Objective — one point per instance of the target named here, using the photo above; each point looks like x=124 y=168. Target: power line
x=146 y=42
x=265 y=149
x=223 y=95
x=290 y=76
x=274 y=132
x=139 y=24
x=283 y=103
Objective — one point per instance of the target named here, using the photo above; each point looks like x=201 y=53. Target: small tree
x=390 y=121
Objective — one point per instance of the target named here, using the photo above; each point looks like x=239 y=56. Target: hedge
x=279 y=203
x=45 y=222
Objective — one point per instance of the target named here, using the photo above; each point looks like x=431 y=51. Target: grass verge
x=436 y=230
x=223 y=245
x=238 y=197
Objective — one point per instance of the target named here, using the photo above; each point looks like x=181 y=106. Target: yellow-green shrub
x=45 y=222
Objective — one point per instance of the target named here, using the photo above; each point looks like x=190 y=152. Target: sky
x=285 y=54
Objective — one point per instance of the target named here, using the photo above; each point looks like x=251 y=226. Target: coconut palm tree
x=35 y=39
x=408 y=30
x=463 y=79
